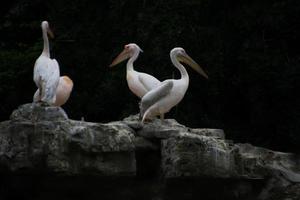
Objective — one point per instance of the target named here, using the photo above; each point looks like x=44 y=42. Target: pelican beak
x=189 y=61
x=125 y=54
x=50 y=33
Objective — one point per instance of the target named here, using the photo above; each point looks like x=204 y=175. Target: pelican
x=139 y=83
x=46 y=70
x=63 y=91
x=160 y=100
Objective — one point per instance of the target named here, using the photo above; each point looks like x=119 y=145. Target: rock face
x=129 y=160
x=44 y=139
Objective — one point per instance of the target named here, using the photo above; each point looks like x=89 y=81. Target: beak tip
x=205 y=76
x=51 y=36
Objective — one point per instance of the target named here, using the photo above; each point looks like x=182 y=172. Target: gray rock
x=144 y=144
x=217 y=133
x=38 y=112
x=291 y=192
x=42 y=139
x=202 y=156
x=197 y=156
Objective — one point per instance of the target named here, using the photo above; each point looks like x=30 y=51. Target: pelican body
x=139 y=83
x=63 y=91
x=170 y=92
x=46 y=70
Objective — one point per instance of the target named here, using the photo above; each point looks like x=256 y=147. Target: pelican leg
x=145 y=117
x=149 y=114
x=140 y=114
x=42 y=94
x=162 y=116
x=43 y=100
x=41 y=89
x=40 y=97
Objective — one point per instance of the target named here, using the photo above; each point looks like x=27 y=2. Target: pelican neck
x=131 y=60
x=179 y=66
x=46 y=51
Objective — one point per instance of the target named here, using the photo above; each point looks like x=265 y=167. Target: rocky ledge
x=44 y=155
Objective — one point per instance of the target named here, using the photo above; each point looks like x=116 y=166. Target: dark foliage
x=249 y=49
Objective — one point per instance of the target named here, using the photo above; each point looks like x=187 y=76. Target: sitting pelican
x=139 y=83
x=46 y=70
x=63 y=91
x=170 y=92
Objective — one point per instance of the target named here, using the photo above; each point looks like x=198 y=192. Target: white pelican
x=170 y=92
x=63 y=91
x=139 y=83
x=46 y=70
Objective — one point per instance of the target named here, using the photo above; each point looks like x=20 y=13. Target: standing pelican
x=139 y=83
x=46 y=70
x=170 y=92
x=63 y=91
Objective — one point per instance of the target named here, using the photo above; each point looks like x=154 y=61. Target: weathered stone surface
x=291 y=192
x=34 y=140
x=197 y=156
x=203 y=156
x=144 y=144
x=261 y=161
x=217 y=133
x=37 y=112
x=168 y=155
x=168 y=128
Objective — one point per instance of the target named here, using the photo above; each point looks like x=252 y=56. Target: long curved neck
x=180 y=67
x=131 y=60
x=46 y=51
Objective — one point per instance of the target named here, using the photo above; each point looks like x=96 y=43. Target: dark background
x=250 y=50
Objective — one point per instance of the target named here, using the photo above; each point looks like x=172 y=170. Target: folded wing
x=155 y=95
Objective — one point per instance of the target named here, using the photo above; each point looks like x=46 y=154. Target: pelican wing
x=50 y=80
x=148 y=81
x=155 y=95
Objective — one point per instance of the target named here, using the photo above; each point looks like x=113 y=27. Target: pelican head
x=129 y=51
x=45 y=27
x=182 y=56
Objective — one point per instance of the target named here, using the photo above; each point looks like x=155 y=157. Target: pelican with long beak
x=46 y=70
x=139 y=83
x=63 y=91
x=160 y=100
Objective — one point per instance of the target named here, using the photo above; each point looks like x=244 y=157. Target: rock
x=43 y=139
x=37 y=112
x=199 y=156
x=291 y=192
x=262 y=161
x=167 y=160
x=217 y=133
x=144 y=144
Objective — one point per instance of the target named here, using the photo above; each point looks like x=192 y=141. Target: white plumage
x=46 y=70
x=139 y=83
x=63 y=91
x=170 y=92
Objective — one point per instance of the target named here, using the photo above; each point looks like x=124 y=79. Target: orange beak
x=125 y=54
x=189 y=61
x=50 y=33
